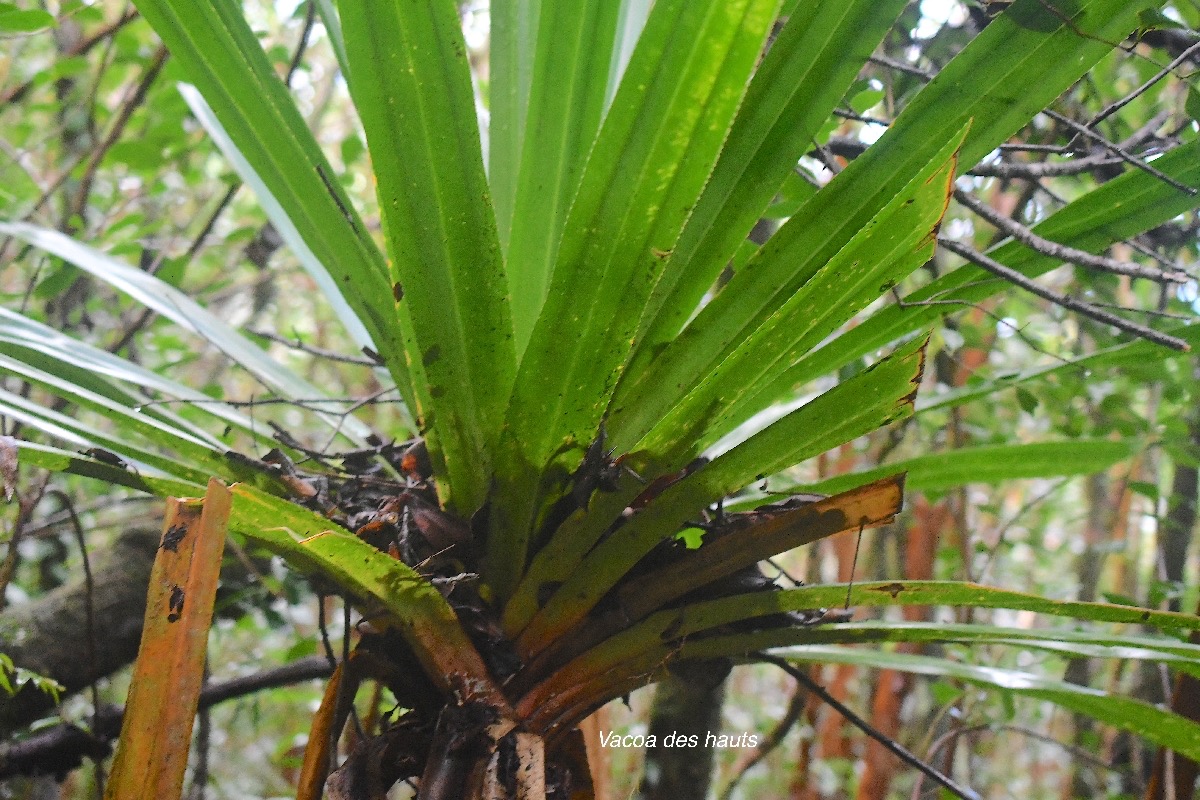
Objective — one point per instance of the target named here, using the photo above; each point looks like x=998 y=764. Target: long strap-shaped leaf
x=224 y=60
x=125 y=420
x=128 y=423
x=742 y=545
x=58 y=460
x=514 y=35
x=1123 y=207
x=19 y=331
x=671 y=633
x=657 y=147
x=872 y=399
x=70 y=431
x=1028 y=46
x=1055 y=639
x=570 y=75
x=1125 y=713
x=182 y=310
x=808 y=69
x=74 y=374
x=938 y=472
x=890 y=245
x=411 y=83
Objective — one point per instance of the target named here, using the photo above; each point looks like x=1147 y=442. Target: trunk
x=687 y=704
x=1101 y=514
x=1171 y=769
x=891 y=687
x=52 y=636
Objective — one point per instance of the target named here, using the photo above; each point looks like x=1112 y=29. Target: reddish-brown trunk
x=892 y=687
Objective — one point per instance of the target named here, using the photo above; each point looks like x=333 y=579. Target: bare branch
x=1062 y=252
x=1070 y=303
x=1120 y=152
x=319 y=352
x=900 y=66
x=1138 y=92
x=62 y=747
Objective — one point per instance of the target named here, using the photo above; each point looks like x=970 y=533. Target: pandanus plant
x=565 y=297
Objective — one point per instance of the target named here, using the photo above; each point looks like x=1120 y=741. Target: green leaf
x=656 y=148
x=569 y=78
x=975 y=88
x=676 y=632
x=894 y=242
x=126 y=421
x=625 y=659
x=215 y=47
x=992 y=464
x=14 y=20
x=864 y=403
x=1178 y=655
x=411 y=83
x=514 y=31
x=185 y=312
x=711 y=613
x=1161 y=727
x=816 y=56
x=1123 y=207
x=58 y=460
x=21 y=332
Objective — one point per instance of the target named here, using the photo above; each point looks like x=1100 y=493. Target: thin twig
x=1017 y=330
x=131 y=103
x=1150 y=252
x=949 y=736
x=1065 y=301
x=312 y=350
x=310 y=16
x=890 y=744
x=1113 y=108
x=774 y=738
x=900 y=66
x=1120 y=152
x=1062 y=252
x=854 y=564
x=1002 y=534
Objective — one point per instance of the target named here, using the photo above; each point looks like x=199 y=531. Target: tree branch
x=1065 y=301
x=62 y=748
x=1062 y=252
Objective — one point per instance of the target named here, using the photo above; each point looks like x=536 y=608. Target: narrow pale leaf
x=182 y=310
x=222 y=57
x=569 y=76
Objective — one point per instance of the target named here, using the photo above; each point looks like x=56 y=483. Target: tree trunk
x=687 y=704
x=51 y=635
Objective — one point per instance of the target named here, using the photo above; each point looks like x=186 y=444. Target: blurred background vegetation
x=96 y=141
